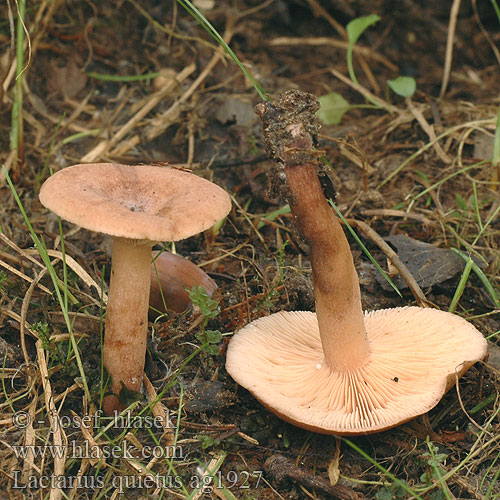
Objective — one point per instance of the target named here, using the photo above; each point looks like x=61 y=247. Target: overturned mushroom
x=137 y=206
x=340 y=371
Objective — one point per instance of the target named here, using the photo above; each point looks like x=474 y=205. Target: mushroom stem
x=336 y=284
x=127 y=318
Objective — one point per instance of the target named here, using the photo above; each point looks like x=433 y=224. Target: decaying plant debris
x=418 y=167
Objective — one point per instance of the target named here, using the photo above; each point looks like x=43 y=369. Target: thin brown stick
x=484 y=32
x=471 y=420
x=449 y=46
x=429 y=130
x=159 y=411
x=105 y=146
x=24 y=312
x=58 y=435
x=319 y=10
x=29 y=441
x=365 y=92
x=388 y=212
x=13 y=270
x=163 y=121
x=281 y=468
x=393 y=256
x=341 y=44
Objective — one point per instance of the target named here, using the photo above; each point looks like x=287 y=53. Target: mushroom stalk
x=336 y=284
x=127 y=317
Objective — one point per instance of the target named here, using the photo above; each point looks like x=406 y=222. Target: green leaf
x=285 y=209
x=214 y=336
x=384 y=494
x=496 y=144
x=209 y=308
x=333 y=108
x=461 y=202
x=207 y=441
x=404 y=86
x=437 y=495
x=211 y=349
x=357 y=26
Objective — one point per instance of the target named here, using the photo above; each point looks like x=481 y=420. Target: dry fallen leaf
x=67 y=80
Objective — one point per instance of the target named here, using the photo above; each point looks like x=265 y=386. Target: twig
x=23 y=276
x=281 y=469
x=471 y=420
x=484 y=32
x=319 y=10
x=341 y=44
x=29 y=441
x=24 y=312
x=449 y=46
x=388 y=212
x=105 y=146
x=428 y=129
x=163 y=121
x=393 y=256
x=77 y=268
x=365 y=92
x=159 y=410
x=57 y=432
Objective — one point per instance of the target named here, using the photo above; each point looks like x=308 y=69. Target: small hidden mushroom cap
x=171 y=277
x=415 y=356
x=143 y=202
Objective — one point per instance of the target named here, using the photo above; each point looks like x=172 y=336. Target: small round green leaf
x=404 y=86
x=333 y=107
x=357 y=26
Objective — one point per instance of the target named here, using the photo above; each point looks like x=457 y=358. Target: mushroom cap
x=171 y=276
x=143 y=202
x=415 y=356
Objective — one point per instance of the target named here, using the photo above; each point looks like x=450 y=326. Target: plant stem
x=17 y=136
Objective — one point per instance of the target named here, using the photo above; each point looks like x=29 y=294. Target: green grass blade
x=393 y=478
x=497 y=9
x=494 y=480
x=437 y=471
x=55 y=280
x=214 y=34
x=285 y=209
x=476 y=207
x=492 y=217
x=122 y=78
x=365 y=250
x=479 y=272
x=16 y=133
x=496 y=143
x=461 y=285
x=447 y=178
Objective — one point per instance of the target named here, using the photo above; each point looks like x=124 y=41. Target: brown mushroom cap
x=141 y=202
x=171 y=275
x=415 y=356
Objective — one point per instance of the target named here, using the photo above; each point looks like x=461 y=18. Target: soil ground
x=388 y=172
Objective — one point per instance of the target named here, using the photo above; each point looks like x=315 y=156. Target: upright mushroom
x=137 y=206
x=340 y=371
